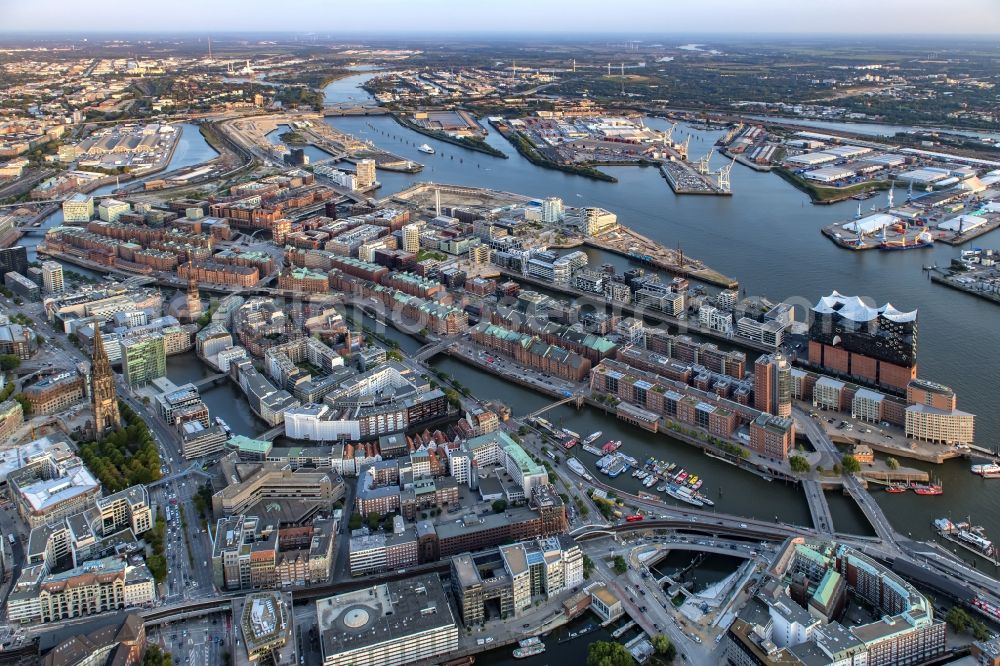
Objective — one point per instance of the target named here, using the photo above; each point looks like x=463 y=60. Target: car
x=526 y=626
x=743 y=526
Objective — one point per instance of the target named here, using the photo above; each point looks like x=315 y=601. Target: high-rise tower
x=102 y=390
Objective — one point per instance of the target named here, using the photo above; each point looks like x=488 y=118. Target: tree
x=499 y=506
x=799 y=464
x=850 y=464
x=608 y=653
x=837 y=469
x=980 y=631
x=958 y=619
x=664 y=647
x=9 y=362
x=355 y=522
x=373 y=520
x=588 y=567
x=892 y=463
x=157 y=565
x=620 y=566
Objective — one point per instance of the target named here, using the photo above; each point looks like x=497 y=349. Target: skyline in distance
x=793 y=17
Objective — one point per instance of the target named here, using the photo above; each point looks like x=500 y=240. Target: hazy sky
x=981 y=17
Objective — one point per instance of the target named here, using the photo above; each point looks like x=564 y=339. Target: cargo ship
x=923 y=240
x=968 y=536
x=987 y=471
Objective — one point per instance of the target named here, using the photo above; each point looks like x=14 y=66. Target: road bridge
x=354 y=110
x=269 y=435
x=205 y=381
x=564 y=401
x=430 y=350
x=186 y=610
x=819 y=508
x=821 y=441
x=193 y=468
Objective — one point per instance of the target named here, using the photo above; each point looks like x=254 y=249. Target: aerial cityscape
x=438 y=335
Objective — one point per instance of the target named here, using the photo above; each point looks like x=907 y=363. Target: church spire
x=102 y=390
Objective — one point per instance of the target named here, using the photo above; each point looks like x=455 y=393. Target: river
x=768 y=236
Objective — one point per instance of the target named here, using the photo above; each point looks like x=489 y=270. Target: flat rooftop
x=384 y=613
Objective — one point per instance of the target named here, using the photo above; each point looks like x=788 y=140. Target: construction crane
x=668 y=136
x=723 y=175
x=683 y=150
x=702 y=164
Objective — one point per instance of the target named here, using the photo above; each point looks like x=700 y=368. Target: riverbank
x=477 y=145
x=673 y=430
x=829 y=195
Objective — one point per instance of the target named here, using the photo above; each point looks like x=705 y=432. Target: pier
x=684 y=178
x=634 y=245
x=973 y=287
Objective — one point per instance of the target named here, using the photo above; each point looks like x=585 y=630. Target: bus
x=633 y=518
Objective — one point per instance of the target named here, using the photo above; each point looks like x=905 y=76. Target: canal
x=768 y=236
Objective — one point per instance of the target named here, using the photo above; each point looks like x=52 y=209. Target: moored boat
x=987 y=471
x=523 y=653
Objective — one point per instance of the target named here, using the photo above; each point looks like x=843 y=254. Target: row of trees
x=126 y=457
x=157 y=540
x=610 y=653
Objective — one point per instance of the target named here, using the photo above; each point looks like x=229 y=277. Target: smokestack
x=437 y=202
